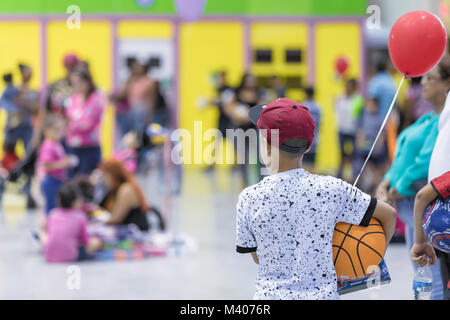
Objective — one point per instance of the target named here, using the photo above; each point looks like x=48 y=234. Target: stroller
x=14 y=183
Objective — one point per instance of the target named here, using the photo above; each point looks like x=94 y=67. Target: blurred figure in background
x=9 y=160
x=223 y=95
x=119 y=98
x=275 y=91
x=409 y=170
x=28 y=101
x=419 y=105
x=309 y=159
x=368 y=126
x=141 y=95
x=9 y=102
x=380 y=92
x=135 y=102
x=52 y=160
x=348 y=108
x=162 y=112
x=125 y=199
x=84 y=114
x=246 y=95
x=60 y=91
x=381 y=87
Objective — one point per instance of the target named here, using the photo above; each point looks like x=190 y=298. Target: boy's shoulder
x=307 y=181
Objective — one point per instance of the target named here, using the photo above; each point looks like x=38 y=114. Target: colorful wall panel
x=280 y=39
x=333 y=40
x=205 y=49
x=20 y=43
x=92 y=42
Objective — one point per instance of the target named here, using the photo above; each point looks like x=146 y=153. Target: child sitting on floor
x=67 y=238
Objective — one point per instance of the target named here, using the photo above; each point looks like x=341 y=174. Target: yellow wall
x=206 y=48
x=20 y=42
x=92 y=42
x=144 y=29
x=279 y=37
x=333 y=40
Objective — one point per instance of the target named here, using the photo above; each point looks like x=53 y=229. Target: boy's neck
x=288 y=165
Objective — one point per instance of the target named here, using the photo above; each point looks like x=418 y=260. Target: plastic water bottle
x=422 y=283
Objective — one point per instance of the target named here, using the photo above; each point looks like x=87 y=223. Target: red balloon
x=341 y=65
x=417 y=42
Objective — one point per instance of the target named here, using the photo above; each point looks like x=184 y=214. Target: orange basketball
x=357 y=248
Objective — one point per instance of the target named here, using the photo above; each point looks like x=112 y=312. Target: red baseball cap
x=291 y=118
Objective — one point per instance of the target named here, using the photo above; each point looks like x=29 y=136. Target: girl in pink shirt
x=52 y=160
x=67 y=238
x=84 y=114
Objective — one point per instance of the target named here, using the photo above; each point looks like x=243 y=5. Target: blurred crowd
x=358 y=117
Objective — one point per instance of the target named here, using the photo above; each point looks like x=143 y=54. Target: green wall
x=214 y=7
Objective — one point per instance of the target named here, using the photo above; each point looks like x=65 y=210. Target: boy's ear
x=309 y=148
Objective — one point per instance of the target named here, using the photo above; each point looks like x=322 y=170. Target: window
x=293 y=56
x=155 y=62
x=263 y=56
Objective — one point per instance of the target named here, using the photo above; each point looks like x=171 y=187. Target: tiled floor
x=206 y=210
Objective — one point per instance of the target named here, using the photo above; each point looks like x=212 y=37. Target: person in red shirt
x=10 y=158
x=422 y=251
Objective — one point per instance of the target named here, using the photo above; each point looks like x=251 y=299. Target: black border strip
x=369 y=212
x=437 y=191
x=245 y=250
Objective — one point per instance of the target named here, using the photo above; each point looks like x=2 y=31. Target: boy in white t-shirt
x=287 y=220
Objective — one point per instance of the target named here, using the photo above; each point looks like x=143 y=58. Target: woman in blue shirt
x=410 y=165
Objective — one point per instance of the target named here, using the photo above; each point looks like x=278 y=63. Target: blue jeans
x=50 y=186
x=405 y=209
x=23 y=131
x=124 y=122
x=89 y=159
x=140 y=118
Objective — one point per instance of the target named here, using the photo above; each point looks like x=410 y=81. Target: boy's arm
x=357 y=207
x=255 y=257
x=245 y=240
x=387 y=217
x=422 y=249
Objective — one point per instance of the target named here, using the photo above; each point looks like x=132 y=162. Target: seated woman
x=124 y=199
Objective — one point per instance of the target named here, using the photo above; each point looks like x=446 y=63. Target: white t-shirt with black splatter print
x=288 y=219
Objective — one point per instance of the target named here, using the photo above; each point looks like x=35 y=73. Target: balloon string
x=379 y=132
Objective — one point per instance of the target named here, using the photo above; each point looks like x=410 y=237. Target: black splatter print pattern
x=288 y=219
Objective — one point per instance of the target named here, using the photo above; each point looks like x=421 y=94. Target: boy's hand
x=422 y=253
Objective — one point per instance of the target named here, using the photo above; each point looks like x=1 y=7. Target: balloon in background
x=417 y=42
x=190 y=10
x=341 y=65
